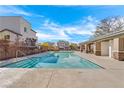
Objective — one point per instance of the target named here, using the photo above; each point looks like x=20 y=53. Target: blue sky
x=72 y=23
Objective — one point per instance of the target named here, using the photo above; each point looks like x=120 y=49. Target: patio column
x=90 y=48
x=118 y=50
x=86 y=48
x=97 y=48
x=82 y=48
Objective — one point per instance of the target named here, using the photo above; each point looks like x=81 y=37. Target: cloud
x=13 y=10
x=52 y=31
x=16 y=10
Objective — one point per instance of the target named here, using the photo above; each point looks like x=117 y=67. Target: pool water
x=54 y=60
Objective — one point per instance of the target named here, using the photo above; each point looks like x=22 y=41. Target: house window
x=7 y=37
x=25 y=29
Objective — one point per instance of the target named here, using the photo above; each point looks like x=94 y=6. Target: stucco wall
x=26 y=34
x=111 y=48
x=29 y=33
x=13 y=37
x=115 y=45
x=11 y=23
x=17 y=24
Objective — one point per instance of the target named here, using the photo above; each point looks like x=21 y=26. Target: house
x=63 y=45
x=16 y=28
x=7 y=34
x=111 y=45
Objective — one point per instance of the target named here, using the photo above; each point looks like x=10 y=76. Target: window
x=7 y=37
x=25 y=29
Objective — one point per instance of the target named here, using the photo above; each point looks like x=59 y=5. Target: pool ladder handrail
x=23 y=54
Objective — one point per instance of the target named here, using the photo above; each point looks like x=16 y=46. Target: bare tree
x=118 y=24
x=108 y=25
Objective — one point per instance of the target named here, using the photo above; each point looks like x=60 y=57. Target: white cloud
x=53 y=31
x=13 y=10
x=56 y=30
x=57 y=36
x=16 y=10
x=43 y=36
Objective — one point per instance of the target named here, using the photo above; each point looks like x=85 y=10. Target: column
x=118 y=50
x=97 y=48
x=86 y=48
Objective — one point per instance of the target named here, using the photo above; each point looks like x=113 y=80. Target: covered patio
x=111 y=45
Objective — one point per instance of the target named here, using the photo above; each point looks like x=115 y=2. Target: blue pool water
x=54 y=60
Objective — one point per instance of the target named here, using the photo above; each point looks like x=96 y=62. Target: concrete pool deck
x=111 y=76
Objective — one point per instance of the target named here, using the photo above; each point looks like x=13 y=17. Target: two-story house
x=17 y=29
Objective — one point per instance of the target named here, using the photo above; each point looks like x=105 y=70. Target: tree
x=108 y=25
x=47 y=46
x=73 y=46
x=44 y=46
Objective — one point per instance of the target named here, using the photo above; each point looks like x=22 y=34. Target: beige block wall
x=121 y=44
x=97 y=48
x=118 y=52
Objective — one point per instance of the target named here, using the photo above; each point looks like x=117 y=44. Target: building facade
x=111 y=45
x=63 y=45
x=16 y=28
x=7 y=34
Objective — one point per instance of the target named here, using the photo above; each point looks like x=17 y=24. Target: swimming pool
x=60 y=59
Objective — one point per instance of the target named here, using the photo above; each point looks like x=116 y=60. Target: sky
x=72 y=23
